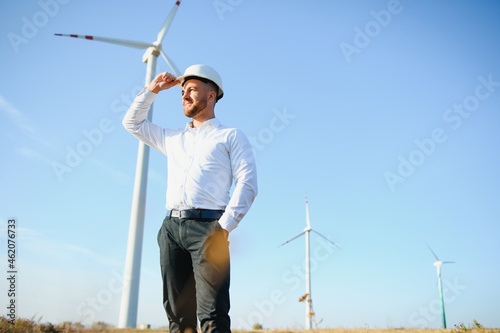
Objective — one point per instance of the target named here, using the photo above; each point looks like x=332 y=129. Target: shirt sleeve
x=244 y=172
x=136 y=122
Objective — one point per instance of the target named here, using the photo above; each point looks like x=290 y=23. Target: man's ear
x=213 y=96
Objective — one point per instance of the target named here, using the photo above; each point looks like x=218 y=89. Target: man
x=203 y=159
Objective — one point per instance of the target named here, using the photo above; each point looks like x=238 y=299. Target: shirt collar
x=214 y=122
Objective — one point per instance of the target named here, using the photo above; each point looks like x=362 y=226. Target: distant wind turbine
x=307 y=230
x=438 y=263
x=131 y=278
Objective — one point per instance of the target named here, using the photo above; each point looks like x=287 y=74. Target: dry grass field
x=337 y=330
x=353 y=330
x=37 y=326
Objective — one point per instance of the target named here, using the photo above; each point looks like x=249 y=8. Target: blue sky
x=384 y=113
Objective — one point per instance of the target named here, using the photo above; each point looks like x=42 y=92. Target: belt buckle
x=175 y=213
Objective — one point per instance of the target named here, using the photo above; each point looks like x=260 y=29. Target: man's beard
x=195 y=108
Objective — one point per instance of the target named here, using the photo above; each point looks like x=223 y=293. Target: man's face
x=195 y=96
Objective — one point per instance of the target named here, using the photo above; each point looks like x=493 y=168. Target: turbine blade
x=123 y=42
x=326 y=238
x=435 y=256
x=170 y=63
x=288 y=241
x=168 y=21
x=308 y=220
x=448 y=262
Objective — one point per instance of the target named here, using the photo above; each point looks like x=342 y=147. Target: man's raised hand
x=163 y=81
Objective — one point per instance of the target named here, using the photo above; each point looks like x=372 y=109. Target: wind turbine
x=438 y=263
x=307 y=230
x=131 y=278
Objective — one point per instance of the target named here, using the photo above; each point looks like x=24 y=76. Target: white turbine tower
x=131 y=278
x=308 y=300
x=438 y=263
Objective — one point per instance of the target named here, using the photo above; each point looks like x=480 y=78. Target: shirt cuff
x=227 y=223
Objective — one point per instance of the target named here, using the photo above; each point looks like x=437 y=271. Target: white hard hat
x=204 y=72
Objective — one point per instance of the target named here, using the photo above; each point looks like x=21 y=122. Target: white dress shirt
x=202 y=163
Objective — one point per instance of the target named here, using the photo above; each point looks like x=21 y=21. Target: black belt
x=195 y=214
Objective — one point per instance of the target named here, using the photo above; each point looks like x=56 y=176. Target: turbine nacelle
x=153 y=50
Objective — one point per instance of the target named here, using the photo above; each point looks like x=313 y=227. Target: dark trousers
x=194 y=259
